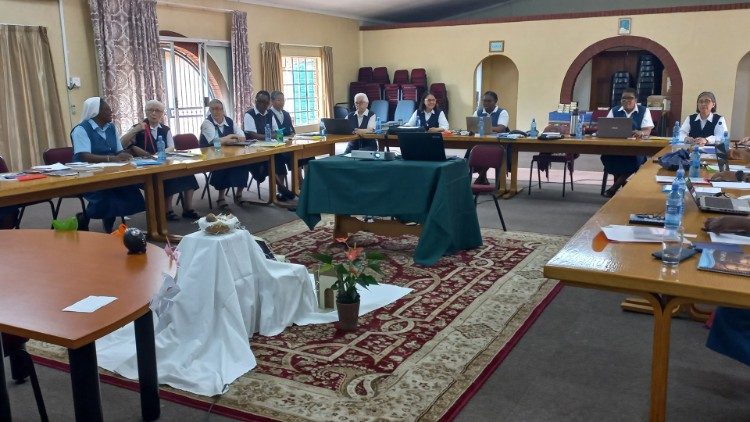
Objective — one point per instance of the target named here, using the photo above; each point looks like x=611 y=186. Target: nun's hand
x=123 y=156
x=729 y=224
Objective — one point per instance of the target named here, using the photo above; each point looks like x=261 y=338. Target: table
x=73 y=266
x=434 y=194
x=589 y=260
x=309 y=148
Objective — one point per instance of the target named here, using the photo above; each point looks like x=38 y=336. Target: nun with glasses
x=95 y=140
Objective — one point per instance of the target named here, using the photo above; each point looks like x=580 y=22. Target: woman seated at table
x=362 y=121
x=623 y=166
x=705 y=126
x=428 y=115
x=218 y=124
x=95 y=140
x=141 y=140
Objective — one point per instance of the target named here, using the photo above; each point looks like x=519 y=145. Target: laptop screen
x=691 y=189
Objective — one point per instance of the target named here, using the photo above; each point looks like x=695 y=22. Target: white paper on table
x=638 y=234
x=90 y=304
x=111 y=164
x=52 y=167
x=735 y=239
x=708 y=156
x=670 y=179
x=698 y=189
x=732 y=167
x=731 y=185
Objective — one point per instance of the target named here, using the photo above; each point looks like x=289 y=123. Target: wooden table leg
x=296 y=156
x=4 y=400
x=153 y=228
x=636 y=304
x=84 y=376
x=513 y=176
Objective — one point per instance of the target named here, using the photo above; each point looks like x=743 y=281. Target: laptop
x=472 y=124
x=722 y=157
x=421 y=146
x=614 y=127
x=337 y=126
x=718 y=204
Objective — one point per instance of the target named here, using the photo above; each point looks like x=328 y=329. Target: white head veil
x=90 y=108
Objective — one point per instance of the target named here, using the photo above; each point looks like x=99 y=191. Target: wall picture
x=624 y=26
x=497 y=46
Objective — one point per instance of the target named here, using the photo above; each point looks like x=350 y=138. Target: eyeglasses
x=430 y=100
x=704 y=101
x=361 y=102
x=154 y=110
x=627 y=98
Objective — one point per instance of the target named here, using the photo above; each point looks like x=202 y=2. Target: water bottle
x=533 y=133
x=279 y=135
x=161 y=153
x=481 y=125
x=695 y=163
x=680 y=179
x=267 y=133
x=378 y=125
x=217 y=143
x=725 y=140
x=675 y=141
x=322 y=127
x=579 y=127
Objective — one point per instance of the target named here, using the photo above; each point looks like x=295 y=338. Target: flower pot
x=348 y=315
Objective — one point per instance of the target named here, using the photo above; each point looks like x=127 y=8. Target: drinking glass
x=671 y=246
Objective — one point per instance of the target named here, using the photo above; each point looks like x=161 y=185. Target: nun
x=95 y=140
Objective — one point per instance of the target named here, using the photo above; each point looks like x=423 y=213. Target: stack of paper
x=268 y=144
x=639 y=234
x=51 y=167
x=731 y=185
x=670 y=179
x=736 y=239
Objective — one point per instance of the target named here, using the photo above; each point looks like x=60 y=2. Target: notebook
x=717 y=204
x=614 y=127
x=720 y=261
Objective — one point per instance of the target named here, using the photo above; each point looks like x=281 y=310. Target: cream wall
x=543 y=51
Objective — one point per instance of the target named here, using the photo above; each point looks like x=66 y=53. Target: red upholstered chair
x=544 y=161
x=419 y=77
x=354 y=89
x=391 y=94
x=441 y=95
x=401 y=77
x=409 y=92
x=595 y=115
x=380 y=75
x=373 y=92
x=364 y=75
x=487 y=156
x=4 y=169
x=185 y=141
x=61 y=155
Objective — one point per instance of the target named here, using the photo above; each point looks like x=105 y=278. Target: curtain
x=270 y=54
x=30 y=114
x=241 y=71
x=326 y=61
x=126 y=37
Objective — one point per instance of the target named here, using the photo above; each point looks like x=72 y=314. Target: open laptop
x=472 y=124
x=614 y=127
x=337 y=126
x=421 y=146
x=718 y=204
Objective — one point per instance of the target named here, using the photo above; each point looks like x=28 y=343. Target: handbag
x=675 y=159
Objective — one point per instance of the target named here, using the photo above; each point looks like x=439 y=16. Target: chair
x=354 y=89
x=401 y=76
x=340 y=110
x=595 y=115
x=409 y=92
x=373 y=91
x=364 y=74
x=4 y=169
x=441 y=95
x=404 y=110
x=22 y=366
x=487 y=156
x=61 y=155
x=184 y=141
x=419 y=77
x=391 y=94
x=380 y=108
x=545 y=160
x=380 y=75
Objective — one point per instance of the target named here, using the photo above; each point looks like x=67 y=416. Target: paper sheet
x=90 y=304
x=52 y=167
x=670 y=179
x=735 y=239
x=637 y=234
x=111 y=164
x=731 y=185
x=732 y=167
x=698 y=189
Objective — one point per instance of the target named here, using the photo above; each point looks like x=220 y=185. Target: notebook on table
x=720 y=261
x=718 y=204
x=614 y=127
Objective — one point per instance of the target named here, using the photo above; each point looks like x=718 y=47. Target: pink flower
x=354 y=253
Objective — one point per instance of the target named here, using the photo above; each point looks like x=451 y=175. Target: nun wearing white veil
x=95 y=140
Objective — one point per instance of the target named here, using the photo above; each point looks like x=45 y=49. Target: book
x=736 y=263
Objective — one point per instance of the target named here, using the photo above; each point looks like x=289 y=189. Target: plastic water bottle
x=161 y=153
x=675 y=207
x=217 y=143
x=322 y=127
x=378 y=125
x=675 y=141
x=579 y=127
x=725 y=140
x=680 y=180
x=695 y=163
x=267 y=133
x=279 y=135
x=480 y=125
x=671 y=243
x=533 y=132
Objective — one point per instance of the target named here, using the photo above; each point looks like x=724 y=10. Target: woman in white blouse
x=705 y=126
x=429 y=116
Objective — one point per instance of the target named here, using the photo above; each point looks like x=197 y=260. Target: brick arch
x=566 y=92
x=189 y=51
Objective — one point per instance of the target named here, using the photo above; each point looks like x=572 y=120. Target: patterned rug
x=419 y=358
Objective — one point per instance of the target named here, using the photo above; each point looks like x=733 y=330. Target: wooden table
x=309 y=148
x=590 y=260
x=45 y=271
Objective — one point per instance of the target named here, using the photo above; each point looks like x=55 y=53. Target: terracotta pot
x=348 y=315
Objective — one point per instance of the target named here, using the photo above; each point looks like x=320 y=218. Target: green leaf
x=327 y=259
x=375 y=266
x=375 y=256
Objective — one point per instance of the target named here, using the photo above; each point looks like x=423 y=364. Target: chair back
x=419 y=77
x=487 y=156
x=409 y=92
x=401 y=76
x=441 y=95
x=3 y=166
x=404 y=110
x=340 y=111
x=186 y=141
x=58 y=155
x=380 y=108
x=364 y=74
x=380 y=75
x=354 y=89
x=373 y=92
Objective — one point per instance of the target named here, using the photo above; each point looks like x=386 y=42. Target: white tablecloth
x=228 y=291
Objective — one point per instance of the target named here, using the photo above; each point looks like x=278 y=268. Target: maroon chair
x=488 y=156
x=409 y=92
x=4 y=169
x=380 y=75
x=364 y=75
x=419 y=77
x=391 y=94
x=544 y=161
x=401 y=76
x=441 y=95
x=185 y=141
x=354 y=89
x=62 y=155
x=373 y=92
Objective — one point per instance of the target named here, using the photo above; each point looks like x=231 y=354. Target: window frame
x=293 y=92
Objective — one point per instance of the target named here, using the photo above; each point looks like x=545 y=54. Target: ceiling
x=385 y=11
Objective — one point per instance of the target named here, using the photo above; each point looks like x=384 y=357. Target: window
x=301 y=88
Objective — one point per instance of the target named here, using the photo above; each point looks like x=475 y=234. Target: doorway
x=740 y=126
x=499 y=74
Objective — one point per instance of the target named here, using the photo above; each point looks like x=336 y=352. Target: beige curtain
x=326 y=61
x=270 y=56
x=241 y=71
x=30 y=114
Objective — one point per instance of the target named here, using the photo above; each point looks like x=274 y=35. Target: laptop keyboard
x=718 y=202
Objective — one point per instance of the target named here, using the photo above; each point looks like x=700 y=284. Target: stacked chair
x=401 y=77
x=364 y=74
x=620 y=81
x=441 y=95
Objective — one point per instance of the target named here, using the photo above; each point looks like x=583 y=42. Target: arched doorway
x=674 y=84
x=740 y=126
x=498 y=73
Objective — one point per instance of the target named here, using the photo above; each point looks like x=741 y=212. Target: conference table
x=589 y=260
x=45 y=271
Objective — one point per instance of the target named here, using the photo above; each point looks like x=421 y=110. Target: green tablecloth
x=434 y=194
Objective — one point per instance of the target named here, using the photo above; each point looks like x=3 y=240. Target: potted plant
x=357 y=269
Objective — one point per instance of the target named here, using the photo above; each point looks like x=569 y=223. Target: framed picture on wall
x=497 y=46
x=623 y=26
